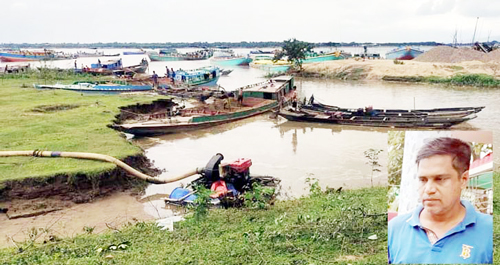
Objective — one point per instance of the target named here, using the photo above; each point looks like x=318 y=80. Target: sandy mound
x=445 y=54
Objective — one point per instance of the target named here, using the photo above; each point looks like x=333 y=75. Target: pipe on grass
x=100 y=157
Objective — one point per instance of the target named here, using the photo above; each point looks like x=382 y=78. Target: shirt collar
x=470 y=214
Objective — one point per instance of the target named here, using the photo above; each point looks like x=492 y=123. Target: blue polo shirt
x=471 y=241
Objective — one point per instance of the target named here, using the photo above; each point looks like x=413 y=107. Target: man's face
x=440 y=185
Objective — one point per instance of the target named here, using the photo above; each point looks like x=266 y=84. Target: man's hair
x=459 y=151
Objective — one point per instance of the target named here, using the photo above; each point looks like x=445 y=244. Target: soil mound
x=446 y=54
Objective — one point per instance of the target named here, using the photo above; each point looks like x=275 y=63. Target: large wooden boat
x=257 y=99
x=412 y=113
x=116 y=67
x=26 y=56
x=431 y=118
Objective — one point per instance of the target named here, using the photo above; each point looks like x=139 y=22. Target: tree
x=295 y=51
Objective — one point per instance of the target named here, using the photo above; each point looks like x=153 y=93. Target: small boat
x=261 y=52
x=101 y=86
x=257 y=99
x=269 y=65
x=403 y=53
x=141 y=52
x=314 y=57
x=441 y=112
x=204 y=76
x=116 y=67
x=395 y=118
x=225 y=71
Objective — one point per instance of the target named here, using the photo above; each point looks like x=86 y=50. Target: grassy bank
x=58 y=120
x=320 y=229
x=324 y=228
x=475 y=80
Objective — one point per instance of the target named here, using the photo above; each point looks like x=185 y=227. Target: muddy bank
x=144 y=111
x=35 y=196
x=352 y=69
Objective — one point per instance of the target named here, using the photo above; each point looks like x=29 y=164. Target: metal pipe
x=100 y=157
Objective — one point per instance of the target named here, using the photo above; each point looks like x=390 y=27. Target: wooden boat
x=403 y=53
x=94 y=54
x=257 y=99
x=226 y=57
x=437 y=112
x=116 y=67
x=421 y=118
x=101 y=87
x=26 y=56
x=141 y=52
x=373 y=121
x=204 y=76
x=173 y=55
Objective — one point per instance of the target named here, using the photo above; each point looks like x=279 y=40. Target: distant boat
x=227 y=57
x=204 y=76
x=258 y=98
x=173 y=55
x=90 y=86
x=115 y=67
x=403 y=53
x=26 y=56
x=94 y=54
x=261 y=52
x=134 y=52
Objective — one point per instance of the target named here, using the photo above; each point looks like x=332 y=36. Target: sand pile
x=445 y=54
x=492 y=56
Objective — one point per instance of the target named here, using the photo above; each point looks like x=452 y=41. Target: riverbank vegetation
x=476 y=80
x=58 y=120
x=332 y=227
x=326 y=227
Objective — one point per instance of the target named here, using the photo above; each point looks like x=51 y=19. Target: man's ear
x=464 y=178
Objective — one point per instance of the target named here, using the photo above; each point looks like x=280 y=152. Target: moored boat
x=394 y=118
x=204 y=76
x=257 y=98
x=229 y=58
x=25 y=55
x=103 y=86
x=403 y=53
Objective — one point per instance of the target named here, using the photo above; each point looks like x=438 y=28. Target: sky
x=149 y=21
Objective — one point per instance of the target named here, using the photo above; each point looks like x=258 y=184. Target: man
x=155 y=80
x=443 y=229
x=295 y=104
x=240 y=97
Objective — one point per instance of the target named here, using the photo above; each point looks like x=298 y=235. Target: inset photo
x=440 y=197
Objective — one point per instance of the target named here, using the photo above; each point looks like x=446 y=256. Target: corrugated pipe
x=99 y=157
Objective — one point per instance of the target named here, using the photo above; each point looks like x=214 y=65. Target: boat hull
x=231 y=62
x=199 y=122
x=389 y=122
x=403 y=54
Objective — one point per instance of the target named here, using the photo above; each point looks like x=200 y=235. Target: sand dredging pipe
x=105 y=158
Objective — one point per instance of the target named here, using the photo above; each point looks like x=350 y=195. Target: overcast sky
x=56 y=21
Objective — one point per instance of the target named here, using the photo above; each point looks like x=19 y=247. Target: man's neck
x=442 y=223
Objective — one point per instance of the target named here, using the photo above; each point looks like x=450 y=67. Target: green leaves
x=295 y=51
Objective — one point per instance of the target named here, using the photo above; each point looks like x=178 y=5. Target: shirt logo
x=466 y=251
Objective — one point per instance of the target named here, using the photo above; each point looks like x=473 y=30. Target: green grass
x=29 y=122
x=475 y=80
x=324 y=228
